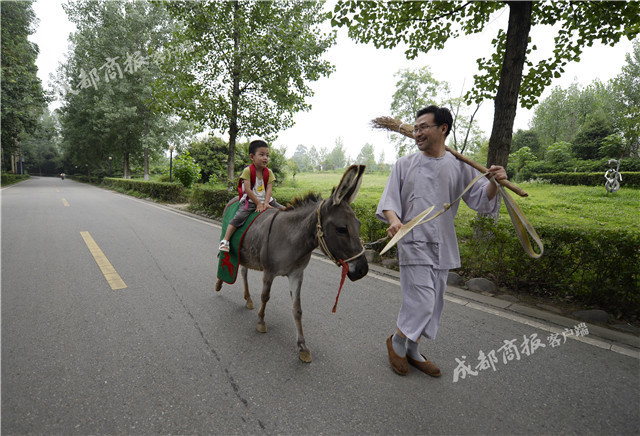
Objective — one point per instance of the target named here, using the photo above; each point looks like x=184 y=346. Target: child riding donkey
x=254 y=188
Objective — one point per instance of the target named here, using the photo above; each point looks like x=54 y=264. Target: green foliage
x=186 y=170
x=558 y=153
x=423 y=26
x=626 y=95
x=8 y=179
x=629 y=179
x=526 y=138
x=246 y=73
x=588 y=140
x=107 y=105
x=22 y=96
x=597 y=268
x=521 y=157
x=613 y=146
x=169 y=192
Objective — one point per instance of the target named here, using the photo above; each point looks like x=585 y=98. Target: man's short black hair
x=255 y=145
x=441 y=115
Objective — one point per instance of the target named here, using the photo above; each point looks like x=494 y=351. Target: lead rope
x=339 y=262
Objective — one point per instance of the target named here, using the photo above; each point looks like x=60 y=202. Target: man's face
x=426 y=132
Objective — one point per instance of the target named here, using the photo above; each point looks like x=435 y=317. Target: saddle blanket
x=228 y=262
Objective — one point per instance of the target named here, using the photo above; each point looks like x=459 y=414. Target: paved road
x=167 y=354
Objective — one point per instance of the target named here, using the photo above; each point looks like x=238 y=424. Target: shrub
x=597 y=268
x=186 y=170
x=170 y=192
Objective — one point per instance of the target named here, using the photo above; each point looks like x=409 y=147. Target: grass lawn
x=587 y=207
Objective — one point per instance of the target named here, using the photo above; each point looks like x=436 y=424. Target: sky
x=362 y=85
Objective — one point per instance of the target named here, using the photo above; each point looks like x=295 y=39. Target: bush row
x=170 y=192
x=629 y=179
x=7 y=178
x=597 y=268
x=580 y=166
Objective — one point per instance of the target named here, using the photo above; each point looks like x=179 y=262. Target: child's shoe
x=224 y=246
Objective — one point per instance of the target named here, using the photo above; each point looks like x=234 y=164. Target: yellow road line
x=65 y=202
x=109 y=272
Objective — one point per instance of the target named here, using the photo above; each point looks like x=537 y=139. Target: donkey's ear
x=349 y=186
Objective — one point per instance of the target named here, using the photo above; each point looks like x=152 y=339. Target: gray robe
x=417 y=182
x=425 y=254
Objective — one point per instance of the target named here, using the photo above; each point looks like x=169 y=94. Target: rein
x=339 y=262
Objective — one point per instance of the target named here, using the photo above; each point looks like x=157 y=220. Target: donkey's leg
x=218 y=285
x=267 y=280
x=295 y=284
x=247 y=296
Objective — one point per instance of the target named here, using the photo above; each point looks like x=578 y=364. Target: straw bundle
x=389 y=123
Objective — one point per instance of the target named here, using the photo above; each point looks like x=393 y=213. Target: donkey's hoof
x=262 y=327
x=305 y=356
x=218 y=285
x=249 y=304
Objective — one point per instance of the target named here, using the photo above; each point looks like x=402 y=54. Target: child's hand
x=262 y=207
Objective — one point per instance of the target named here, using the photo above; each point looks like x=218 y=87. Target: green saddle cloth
x=228 y=262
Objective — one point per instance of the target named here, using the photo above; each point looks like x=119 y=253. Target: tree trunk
x=510 y=78
x=235 y=96
x=146 y=164
x=126 y=172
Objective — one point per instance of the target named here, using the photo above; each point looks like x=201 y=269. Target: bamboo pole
x=405 y=129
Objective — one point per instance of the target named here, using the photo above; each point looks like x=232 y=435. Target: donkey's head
x=340 y=226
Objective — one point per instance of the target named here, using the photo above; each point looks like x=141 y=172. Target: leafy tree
x=336 y=159
x=211 y=155
x=186 y=170
x=558 y=152
x=509 y=73
x=561 y=115
x=295 y=169
x=23 y=99
x=626 y=95
x=415 y=89
x=108 y=107
x=245 y=73
x=316 y=158
x=367 y=157
x=40 y=148
x=521 y=157
x=588 y=140
x=613 y=146
x=526 y=138
x=302 y=158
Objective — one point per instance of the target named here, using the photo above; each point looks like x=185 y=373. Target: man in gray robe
x=431 y=177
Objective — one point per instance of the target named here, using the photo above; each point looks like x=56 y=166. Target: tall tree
x=508 y=73
x=626 y=94
x=247 y=69
x=108 y=105
x=367 y=157
x=23 y=99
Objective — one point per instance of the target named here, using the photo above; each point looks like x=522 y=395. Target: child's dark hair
x=254 y=145
x=441 y=115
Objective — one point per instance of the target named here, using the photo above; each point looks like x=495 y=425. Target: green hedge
x=629 y=179
x=8 y=179
x=596 y=268
x=170 y=192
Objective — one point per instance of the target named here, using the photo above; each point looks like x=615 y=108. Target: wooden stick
x=407 y=130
